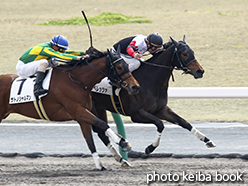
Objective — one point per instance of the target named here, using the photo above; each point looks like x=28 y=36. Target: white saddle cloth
x=105 y=88
x=22 y=89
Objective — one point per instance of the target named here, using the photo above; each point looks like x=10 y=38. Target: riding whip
x=88 y=27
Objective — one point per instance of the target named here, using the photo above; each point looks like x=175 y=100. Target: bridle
x=112 y=75
x=183 y=65
x=175 y=58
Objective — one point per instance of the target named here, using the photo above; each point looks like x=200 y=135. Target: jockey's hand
x=137 y=56
x=80 y=58
x=88 y=51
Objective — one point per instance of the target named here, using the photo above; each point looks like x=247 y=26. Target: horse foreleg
x=209 y=143
x=117 y=156
x=86 y=130
x=170 y=116
x=85 y=116
x=145 y=117
x=101 y=113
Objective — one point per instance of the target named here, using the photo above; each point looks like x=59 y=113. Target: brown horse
x=69 y=95
x=150 y=104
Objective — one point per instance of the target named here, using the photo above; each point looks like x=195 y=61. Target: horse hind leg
x=101 y=113
x=117 y=156
x=118 y=139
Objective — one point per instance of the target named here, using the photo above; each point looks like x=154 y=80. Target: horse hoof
x=150 y=149
x=103 y=169
x=126 y=147
x=125 y=164
x=210 y=144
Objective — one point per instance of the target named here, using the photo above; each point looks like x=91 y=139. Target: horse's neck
x=91 y=75
x=158 y=73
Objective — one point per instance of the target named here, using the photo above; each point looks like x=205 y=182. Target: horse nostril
x=135 y=89
x=200 y=71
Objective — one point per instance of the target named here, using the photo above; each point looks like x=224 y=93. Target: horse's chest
x=153 y=105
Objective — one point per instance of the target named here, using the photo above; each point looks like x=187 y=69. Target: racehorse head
x=119 y=74
x=184 y=59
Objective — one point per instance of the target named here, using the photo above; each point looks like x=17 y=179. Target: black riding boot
x=38 y=89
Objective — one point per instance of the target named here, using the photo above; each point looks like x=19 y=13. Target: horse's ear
x=119 y=50
x=184 y=39
x=174 y=41
x=110 y=54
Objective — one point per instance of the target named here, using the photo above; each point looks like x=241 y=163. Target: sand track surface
x=82 y=171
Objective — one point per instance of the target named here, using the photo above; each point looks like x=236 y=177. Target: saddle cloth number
x=22 y=90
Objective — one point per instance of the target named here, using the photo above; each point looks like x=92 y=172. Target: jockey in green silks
x=37 y=59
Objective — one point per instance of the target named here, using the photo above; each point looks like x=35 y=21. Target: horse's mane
x=92 y=53
x=167 y=45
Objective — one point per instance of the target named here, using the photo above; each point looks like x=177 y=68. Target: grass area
x=103 y=19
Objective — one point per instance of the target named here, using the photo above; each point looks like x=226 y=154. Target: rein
x=116 y=80
x=156 y=65
x=181 y=63
x=69 y=70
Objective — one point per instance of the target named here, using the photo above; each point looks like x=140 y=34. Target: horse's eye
x=119 y=68
x=185 y=54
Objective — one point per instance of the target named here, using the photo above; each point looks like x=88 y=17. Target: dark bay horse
x=150 y=104
x=69 y=95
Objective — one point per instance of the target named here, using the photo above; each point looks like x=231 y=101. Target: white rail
x=208 y=92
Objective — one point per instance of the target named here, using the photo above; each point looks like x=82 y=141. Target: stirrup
x=40 y=92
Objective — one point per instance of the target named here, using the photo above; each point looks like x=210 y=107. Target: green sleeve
x=75 y=52
x=54 y=54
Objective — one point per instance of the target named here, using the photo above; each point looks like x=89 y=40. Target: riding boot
x=38 y=89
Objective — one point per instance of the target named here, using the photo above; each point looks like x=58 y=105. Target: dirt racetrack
x=156 y=171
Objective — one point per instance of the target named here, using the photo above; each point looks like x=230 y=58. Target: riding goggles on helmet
x=153 y=46
x=62 y=50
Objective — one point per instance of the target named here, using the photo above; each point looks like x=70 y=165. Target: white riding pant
x=133 y=63
x=29 y=69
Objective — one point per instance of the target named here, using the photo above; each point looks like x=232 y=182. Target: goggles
x=153 y=46
x=61 y=50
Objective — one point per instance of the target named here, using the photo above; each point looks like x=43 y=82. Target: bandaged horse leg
x=117 y=156
x=115 y=153
x=145 y=117
x=86 y=130
x=155 y=144
x=97 y=161
x=202 y=137
x=168 y=115
x=118 y=139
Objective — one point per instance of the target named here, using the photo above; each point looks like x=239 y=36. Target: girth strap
x=116 y=102
x=40 y=109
